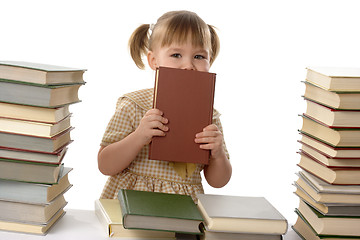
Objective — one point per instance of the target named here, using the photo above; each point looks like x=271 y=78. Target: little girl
x=179 y=39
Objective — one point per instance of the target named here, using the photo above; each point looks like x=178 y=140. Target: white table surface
x=83 y=224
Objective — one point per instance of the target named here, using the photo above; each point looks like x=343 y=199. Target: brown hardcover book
x=186 y=98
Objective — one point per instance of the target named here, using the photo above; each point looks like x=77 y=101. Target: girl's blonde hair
x=174 y=26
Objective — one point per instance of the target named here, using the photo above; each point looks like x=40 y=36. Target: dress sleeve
x=217 y=122
x=121 y=124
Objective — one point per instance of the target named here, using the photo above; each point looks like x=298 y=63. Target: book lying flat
x=109 y=214
x=159 y=211
x=33 y=143
x=329 y=225
x=39 y=95
x=186 y=98
x=335 y=78
x=31 y=113
x=29 y=227
x=33 y=193
x=40 y=73
x=37 y=129
x=241 y=214
x=338 y=100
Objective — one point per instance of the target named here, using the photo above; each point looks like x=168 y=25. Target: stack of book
x=34 y=137
x=240 y=217
x=329 y=181
x=172 y=216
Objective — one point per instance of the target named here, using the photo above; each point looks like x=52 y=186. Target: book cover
x=186 y=98
x=335 y=78
x=159 y=211
x=241 y=214
x=108 y=211
x=40 y=73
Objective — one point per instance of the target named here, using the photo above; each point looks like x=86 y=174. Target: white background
x=265 y=48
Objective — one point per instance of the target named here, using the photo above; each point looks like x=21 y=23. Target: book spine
x=125 y=210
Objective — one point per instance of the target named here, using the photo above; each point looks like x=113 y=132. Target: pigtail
x=139 y=44
x=215 y=44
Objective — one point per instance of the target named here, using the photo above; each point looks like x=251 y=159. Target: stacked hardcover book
x=34 y=137
x=328 y=184
x=173 y=216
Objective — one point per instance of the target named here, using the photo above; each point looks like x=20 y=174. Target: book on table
x=332 y=175
x=331 y=116
x=30 y=212
x=30 y=227
x=339 y=194
x=31 y=128
x=241 y=214
x=341 y=137
x=335 y=78
x=159 y=211
x=337 y=100
x=32 y=113
x=186 y=99
x=40 y=73
x=108 y=211
x=329 y=225
x=35 y=143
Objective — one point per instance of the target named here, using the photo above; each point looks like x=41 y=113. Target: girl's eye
x=176 y=55
x=199 y=57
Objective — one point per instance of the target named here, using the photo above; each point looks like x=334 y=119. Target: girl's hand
x=212 y=139
x=152 y=124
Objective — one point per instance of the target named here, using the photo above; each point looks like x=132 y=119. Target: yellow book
x=109 y=214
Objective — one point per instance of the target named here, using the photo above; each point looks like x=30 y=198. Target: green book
x=159 y=211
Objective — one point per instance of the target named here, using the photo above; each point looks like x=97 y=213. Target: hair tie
x=151 y=28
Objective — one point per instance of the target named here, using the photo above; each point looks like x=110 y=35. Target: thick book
x=333 y=117
x=241 y=214
x=324 y=197
x=26 y=212
x=332 y=175
x=34 y=143
x=329 y=225
x=339 y=137
x=327 y=160
x=338 y=100
x=40 y=73
x=328 y=150
x=335 y=78
x=108 y=211
x=34 y=193
x=186 y=98
x=29 y=171
x=30 y=227
x=51 y=96
x=38 y=129
x=329 y=209
x=159 y=211
x=33 y=156
x=31 y=113
x=306 y=232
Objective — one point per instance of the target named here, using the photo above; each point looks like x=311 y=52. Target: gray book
x=241 y=214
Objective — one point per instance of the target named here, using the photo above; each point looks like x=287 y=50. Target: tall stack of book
x=34 y=137
x=329 y=181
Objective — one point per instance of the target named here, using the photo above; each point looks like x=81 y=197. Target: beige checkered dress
x=145 y=174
